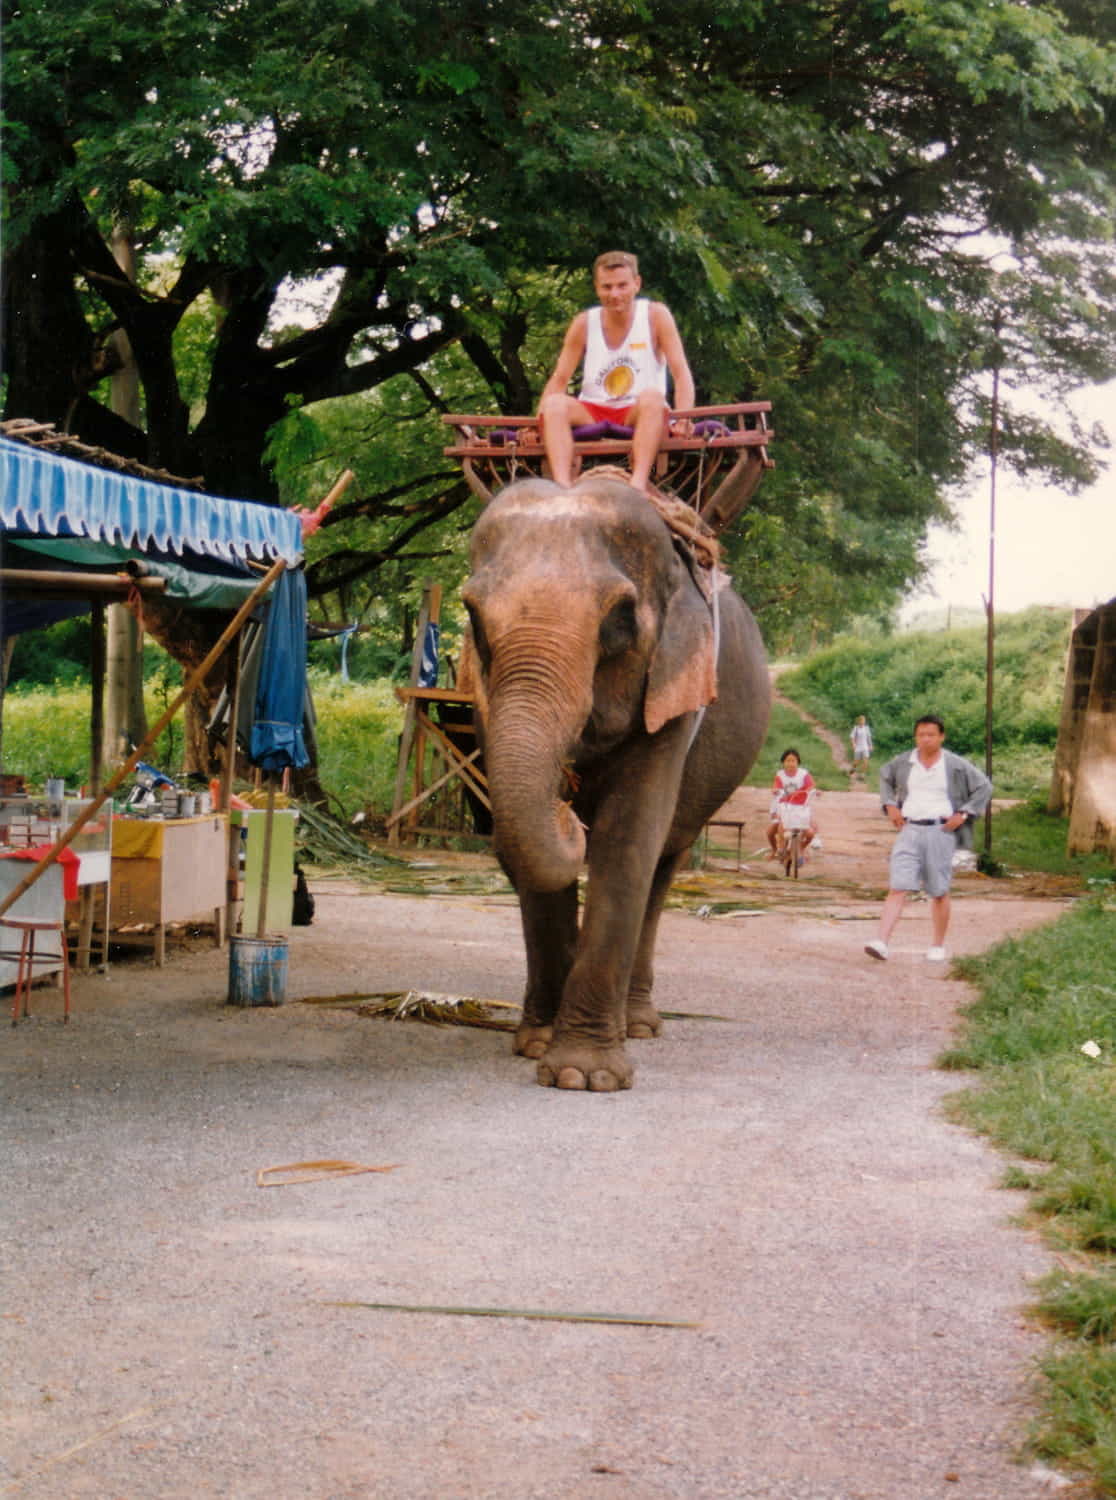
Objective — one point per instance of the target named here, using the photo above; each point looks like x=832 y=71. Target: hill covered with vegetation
x=893 y=679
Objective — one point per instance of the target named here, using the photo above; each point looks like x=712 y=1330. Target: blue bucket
x=257 y=970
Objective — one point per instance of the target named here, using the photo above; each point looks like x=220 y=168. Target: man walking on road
x=931 y=796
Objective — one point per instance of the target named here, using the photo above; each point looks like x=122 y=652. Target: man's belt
x=927 y=822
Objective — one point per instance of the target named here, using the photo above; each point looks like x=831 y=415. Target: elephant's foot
x=643 y=1019
x=531 y=1039
x=568 y=1064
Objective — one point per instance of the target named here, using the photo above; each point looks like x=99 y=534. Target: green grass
x=46 y=733
x=1079 y=1428
x=1027 y=837
x=1042 y=998
x=358 y=735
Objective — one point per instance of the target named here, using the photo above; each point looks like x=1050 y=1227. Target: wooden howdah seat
x=715 y=470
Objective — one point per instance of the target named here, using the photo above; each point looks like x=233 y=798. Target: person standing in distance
x=625 y=345
x=860 y=736
x=931 y=796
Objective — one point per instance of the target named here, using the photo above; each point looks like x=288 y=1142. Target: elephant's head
x=588 y=630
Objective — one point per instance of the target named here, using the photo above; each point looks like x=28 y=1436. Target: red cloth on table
x=67 y=859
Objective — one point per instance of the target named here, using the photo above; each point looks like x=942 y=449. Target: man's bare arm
x=668 y=341
x=571 y=355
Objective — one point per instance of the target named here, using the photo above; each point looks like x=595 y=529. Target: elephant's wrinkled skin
x=595 y=649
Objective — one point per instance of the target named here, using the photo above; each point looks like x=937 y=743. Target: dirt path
x=835 y=742
x=782 y=1176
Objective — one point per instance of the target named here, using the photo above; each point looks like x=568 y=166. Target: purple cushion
x=709 y=427
x=598 y=430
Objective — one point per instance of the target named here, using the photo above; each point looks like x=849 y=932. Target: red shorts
x=617 y=414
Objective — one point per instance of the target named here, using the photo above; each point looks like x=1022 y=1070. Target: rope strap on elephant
x=680 y=518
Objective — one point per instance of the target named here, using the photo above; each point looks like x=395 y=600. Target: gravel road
x=782 y=1177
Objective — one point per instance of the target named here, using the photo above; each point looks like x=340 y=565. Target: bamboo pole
x=19 y=583
x=232 y=848
x=195 y=677
x=265 y=872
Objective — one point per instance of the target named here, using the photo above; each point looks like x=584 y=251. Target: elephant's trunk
x=539 y=698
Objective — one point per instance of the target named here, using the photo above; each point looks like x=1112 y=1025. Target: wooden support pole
x=195 y=677
x=437 y=786
x=429 y=612
x=454 y=757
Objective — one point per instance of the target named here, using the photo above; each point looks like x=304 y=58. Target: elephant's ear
x=683 y=671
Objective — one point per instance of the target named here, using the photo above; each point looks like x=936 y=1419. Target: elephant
x=620 y=699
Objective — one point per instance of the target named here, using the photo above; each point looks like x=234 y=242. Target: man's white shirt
x=927 y=790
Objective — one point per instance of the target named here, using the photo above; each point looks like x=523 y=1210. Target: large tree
x=816 y=188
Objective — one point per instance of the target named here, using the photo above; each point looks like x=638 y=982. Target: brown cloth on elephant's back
x=680 y=518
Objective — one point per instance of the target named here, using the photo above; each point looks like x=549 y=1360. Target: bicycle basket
x=794 y=815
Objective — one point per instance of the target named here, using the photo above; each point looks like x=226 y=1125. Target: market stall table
x=168 y=870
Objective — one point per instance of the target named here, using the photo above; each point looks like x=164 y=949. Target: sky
x=1051 y=547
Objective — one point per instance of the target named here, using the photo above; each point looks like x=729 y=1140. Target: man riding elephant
x=625 y=345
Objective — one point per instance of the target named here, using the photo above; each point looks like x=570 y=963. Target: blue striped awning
x=44 y=495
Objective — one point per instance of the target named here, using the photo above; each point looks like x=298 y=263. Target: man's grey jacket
x=970 y=790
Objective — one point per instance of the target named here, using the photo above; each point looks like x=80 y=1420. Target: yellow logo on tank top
x=618 y=381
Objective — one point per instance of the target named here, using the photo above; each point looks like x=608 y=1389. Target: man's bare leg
x=893 y=906
x=559 y=415
x=648 y=418
x=939 y=919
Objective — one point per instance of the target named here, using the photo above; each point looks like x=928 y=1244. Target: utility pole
x=990 y=601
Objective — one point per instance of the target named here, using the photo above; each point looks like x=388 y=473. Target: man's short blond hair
x=613 y=258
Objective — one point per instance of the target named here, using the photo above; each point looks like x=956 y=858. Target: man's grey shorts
x=922 y=857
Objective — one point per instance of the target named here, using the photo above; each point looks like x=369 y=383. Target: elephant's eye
x=618 y=628
x=480 y=640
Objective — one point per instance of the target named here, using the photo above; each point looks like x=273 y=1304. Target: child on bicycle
x=793 y=786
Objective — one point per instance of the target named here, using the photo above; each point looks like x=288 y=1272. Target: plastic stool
x=27 y=927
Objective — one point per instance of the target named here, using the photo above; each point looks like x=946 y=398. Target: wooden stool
x=27 y=927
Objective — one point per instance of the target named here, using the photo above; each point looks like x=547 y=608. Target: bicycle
x=795 y=820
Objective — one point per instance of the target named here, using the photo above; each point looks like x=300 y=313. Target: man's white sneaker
x=936 y=955
x=877 y=948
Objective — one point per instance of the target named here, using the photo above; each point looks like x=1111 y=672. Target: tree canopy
x=348 y=215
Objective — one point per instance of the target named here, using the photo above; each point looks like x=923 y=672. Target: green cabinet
x=251 y=828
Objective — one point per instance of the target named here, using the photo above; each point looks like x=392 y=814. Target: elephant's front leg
x=643 y=1020
x=628 y=832
x=586 y=1050
x=550 y=938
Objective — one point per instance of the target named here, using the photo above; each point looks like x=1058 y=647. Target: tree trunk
x=48 y=348
x=125 y=719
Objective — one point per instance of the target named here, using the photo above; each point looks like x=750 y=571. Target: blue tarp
x=100 y=517
x=276 y=741
x=42 y=494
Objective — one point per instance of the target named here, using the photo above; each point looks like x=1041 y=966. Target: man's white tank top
x=615 y=377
